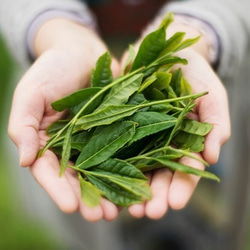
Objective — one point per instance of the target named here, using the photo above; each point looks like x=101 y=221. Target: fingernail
x=22 y=156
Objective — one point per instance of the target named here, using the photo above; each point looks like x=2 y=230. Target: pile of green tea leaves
x=119 y=128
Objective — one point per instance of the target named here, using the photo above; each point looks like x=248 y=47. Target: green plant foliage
x=125 y=126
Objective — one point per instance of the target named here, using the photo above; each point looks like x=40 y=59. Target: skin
x=65 y=54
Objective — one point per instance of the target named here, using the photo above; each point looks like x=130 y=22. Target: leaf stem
x=158 y=150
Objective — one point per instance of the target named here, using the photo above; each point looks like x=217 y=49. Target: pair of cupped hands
x=66 y=52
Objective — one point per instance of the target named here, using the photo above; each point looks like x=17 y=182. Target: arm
x=175 y=190
x=65 y=53
x=231 y=23
x=16 y=18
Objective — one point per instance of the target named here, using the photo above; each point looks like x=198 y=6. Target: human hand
x=64 y=63
x=174 y=189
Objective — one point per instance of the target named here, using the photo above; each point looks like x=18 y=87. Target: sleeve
x=17 y=16
x=230 y=21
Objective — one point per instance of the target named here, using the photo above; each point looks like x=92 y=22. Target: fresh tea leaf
x=187 y=43
x=149 y=49
x=115 y=192
x=120 y=167
x=74 y=98
x=129 y=59
x=121 y=92
x=192 y=142
x=167 y=20
x=172 y=43
x=102 y=74
x=66 y=149
x=173 y=165
x=151 y=123
x=91 y=195
x=121 y=177
x=106 y=116
x=195 y=127
x=103 y=145
x=56 y=126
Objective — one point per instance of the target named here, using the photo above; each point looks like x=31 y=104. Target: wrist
x=68 y=36
x=208 y=44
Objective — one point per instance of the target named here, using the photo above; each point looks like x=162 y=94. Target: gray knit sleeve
x=230 y=21
x=17 y=16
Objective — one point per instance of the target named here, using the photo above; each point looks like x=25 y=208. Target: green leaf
x=163 y=80
x=172 y=43
x=121 y=182
x=178 y=123
x=187 y=43
x=167 y=20
x=177 y=153
x=194 y=127
x=155 y=94
x=151 y=123
x=78 y=140
x=176 y=81
x=192 y=142
x=104 y=144
x=106 y=116
x=56 y=126
x=162 y=108
x=66 y=149
x=136 y=186
x=170 y=60
x=129 y=59
x=77 y=109
x=137 y=99
x=168 y=152
x=119 y=167
x=74 y=98
x=91 y=195
x=121 y=92
x=154 y=91
x=130 y=150
x=111 y=114
x=149 y=49
x=114 y=192
x=147 y=82
x=186 y=88
x=102 y=74
x=173 y=165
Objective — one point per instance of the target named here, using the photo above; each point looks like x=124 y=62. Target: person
x=58 y=42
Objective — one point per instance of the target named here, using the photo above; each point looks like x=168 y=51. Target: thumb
x=24 y=125
x=27 y=142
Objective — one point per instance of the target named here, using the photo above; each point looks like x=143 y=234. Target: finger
x=110 y=210
x=138 y=210
x=24 y=123
x=214 y=110
x=46 y=172
x=214 y=142
x=183 y=185
x=158 y=205
x=27 y=142
x=91 y=214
